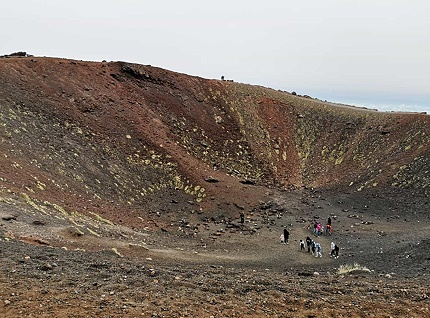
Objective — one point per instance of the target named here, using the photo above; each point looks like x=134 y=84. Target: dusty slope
x=121 y=157
x=126 y=132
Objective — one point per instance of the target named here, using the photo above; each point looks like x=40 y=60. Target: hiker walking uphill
x=309 y=243
x=317 y=228
x=286 y=235
x=328 y=229
x=334 y=250
x=302 y=245
x=318 y=250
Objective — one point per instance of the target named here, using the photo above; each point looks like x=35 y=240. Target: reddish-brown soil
x=121 y=187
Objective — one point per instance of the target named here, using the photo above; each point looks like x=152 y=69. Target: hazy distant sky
x=371 y=53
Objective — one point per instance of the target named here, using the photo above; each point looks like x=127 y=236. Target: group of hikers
x=316 y=248
x=318 y=229
x=312 y=245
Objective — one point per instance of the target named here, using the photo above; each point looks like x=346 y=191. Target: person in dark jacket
x=309 y=243
x=286 y=235
x=334 y=250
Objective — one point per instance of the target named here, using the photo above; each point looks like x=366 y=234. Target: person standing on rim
x=286 y=235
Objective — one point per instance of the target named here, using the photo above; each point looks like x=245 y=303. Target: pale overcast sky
x=364 y=52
